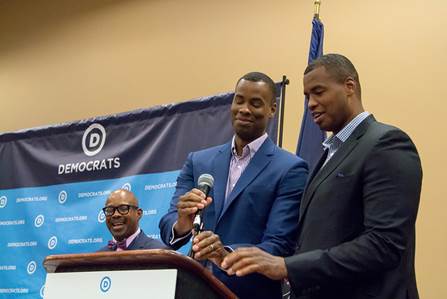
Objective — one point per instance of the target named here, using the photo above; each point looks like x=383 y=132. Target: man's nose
x=311 y=103
x=116 y=213
x=244 y=109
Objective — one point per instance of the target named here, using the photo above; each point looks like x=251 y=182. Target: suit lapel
x=260 y=160
x=318 y=166
x=342 y=153
x=315 y=170
x=136 y=242
x=220 y=167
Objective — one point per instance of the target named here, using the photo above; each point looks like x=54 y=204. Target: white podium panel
x=159 y=284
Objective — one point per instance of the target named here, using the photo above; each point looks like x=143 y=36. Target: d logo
x=52 y=242
x=105 y=284
x=127 y=186
x=3 y=201
x=62 y=197
x=101 y=217
x=93 y=139
x=31 y=268
x=40 y=219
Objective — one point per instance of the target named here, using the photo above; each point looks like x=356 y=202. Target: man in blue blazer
x=256 y=194
x=357 y=216
x=122 y=218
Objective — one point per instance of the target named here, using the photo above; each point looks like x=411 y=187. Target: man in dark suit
x=122 y=217
x=256 y=193
x=358 y=212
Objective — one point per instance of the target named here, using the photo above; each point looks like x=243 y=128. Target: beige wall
x=66 y=60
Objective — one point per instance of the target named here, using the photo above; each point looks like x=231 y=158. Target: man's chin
x=119 y=237
x=243 y=131
x=247 y=134
x=119 y=233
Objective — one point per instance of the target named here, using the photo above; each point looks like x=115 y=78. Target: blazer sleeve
x=391 y=178
x=185 y=182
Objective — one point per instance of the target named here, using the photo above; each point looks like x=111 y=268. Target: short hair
x=261 y=77
x=338 y=66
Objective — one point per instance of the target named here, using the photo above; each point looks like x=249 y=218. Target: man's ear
x=140 y=213
x=350 y=86
x=272 y=108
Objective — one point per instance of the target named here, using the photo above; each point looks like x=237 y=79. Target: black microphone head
x=206 y=179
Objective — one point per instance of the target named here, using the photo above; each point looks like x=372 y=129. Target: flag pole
x=317 y=4
x=282 y=103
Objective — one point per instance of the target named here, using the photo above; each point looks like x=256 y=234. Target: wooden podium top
x=133 y=259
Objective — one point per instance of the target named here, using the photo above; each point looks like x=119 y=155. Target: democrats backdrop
x=55 y=180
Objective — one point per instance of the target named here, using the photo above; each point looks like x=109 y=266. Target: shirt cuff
x=174 y=239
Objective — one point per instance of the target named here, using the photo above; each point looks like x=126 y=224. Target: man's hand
x=207 y=245
x=187 y=205
x=248 y=260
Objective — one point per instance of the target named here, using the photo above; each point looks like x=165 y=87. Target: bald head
x=122 y=214
x=123 y=195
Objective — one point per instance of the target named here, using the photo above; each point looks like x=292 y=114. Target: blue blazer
x=142 y=241
x=262 y=210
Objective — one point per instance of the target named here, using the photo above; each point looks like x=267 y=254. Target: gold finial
x=317 y=4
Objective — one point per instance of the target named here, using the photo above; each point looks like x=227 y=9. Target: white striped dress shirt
x=333 y=143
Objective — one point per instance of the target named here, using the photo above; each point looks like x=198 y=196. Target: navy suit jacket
x=142 y=241
x=357 y=220
x=262 y=210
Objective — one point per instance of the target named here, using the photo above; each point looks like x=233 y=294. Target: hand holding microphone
x=205 y=183
x=191 y=205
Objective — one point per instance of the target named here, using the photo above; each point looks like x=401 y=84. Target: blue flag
x=311 y=137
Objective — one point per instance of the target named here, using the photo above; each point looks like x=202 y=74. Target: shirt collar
x=131 y=237
x=252 y=147
x=347 y=130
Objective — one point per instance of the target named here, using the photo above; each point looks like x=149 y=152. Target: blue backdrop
x=55 y=180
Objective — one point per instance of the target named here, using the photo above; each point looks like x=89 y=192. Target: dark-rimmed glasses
x=122 y=209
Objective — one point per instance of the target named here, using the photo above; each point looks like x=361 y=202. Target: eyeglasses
x=122 y=209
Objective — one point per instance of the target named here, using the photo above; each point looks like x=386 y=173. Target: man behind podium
x=122 y=218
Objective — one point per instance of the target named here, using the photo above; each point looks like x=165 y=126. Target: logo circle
x=93 y=139
x=3 y=202
x=31 y=268
x=127 y=186
x=105 y=284
x=101 y=217
x=62 y=197
x=40 y=219
x=52 y=242
x=42 y=291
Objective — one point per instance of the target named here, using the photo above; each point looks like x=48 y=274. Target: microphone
x=204 y=184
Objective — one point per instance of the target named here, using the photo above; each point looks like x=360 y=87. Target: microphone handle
x=197 y=224
x=205 y=189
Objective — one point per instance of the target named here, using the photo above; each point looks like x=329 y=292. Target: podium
x=142 y=272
